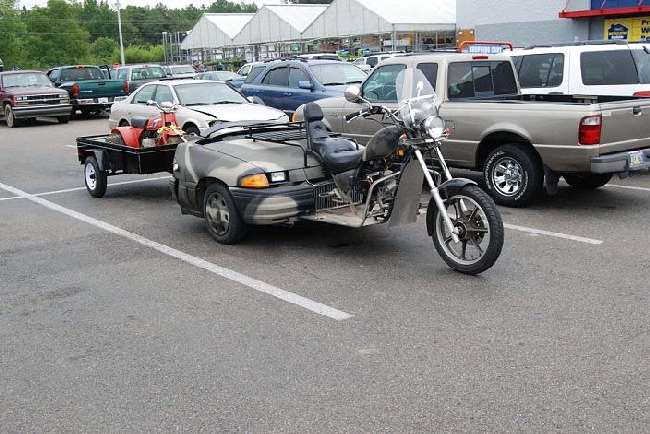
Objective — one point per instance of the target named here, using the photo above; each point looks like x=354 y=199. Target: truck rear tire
x=514 y=176
x=222 y=217
x=96 y=180
x=587 y=181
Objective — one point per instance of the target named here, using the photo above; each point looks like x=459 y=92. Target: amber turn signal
x=254 y=181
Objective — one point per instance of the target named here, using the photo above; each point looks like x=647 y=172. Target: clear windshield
x=26 y=79
x=417 y=98
x=207 y=93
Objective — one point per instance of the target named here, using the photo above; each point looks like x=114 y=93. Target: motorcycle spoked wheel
x=480 y=231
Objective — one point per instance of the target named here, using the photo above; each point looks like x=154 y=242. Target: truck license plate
x=102 y=100
x=636 y=159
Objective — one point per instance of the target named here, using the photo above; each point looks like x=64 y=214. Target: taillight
x=590 y=130
x=125 y=87
x=645 y=93
x=75 y=90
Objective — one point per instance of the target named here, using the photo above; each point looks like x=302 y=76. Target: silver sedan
x=202 y=103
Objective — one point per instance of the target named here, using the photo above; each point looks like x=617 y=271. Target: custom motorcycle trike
x=261 y=174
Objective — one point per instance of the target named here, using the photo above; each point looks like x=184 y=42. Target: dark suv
x=287 y=84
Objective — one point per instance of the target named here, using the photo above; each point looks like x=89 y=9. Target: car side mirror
x=57 y=83
x=353 y=94
x=256 y=100
x=166 y=105
x=306 y=84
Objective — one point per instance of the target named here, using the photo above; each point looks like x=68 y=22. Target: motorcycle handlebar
x=374 y=110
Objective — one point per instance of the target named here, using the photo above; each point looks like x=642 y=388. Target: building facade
x=529 y=22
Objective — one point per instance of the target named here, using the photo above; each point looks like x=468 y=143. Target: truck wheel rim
x=507 y=176
x=218 y=214
x=9 y=117
x=91 y=176
x=474 y=230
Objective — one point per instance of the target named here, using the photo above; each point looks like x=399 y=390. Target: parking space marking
x=628 y=187
x=536 y=232
x=226 y=273
x=68 y=190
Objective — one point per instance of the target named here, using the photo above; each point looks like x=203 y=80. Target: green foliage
x=86 y=31
x=141 y=54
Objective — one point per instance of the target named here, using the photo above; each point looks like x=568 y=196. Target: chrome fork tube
x=443 y=163
x=435 y=193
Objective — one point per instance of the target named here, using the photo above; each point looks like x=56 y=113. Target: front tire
x=10 y=118
x=191 y=129
x=222 y=217
x=96 y=180
x=589 y=181
x=514 y=176
x=480 y=231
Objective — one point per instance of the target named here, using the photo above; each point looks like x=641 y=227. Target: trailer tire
x=222 y=217
x=95 y=179
x=514 y=175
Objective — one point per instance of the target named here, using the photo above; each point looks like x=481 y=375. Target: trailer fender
x=102 y=159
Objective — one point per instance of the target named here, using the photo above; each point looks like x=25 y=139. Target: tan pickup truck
x=518 y=142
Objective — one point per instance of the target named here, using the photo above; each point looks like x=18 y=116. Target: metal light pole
x=164 y=35
x=119 y=27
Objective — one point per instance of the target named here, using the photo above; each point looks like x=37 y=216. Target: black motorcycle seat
x=337 y=154
x=138 y=121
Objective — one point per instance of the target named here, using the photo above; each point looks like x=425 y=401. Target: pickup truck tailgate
x=101 y=88
x=626 y=126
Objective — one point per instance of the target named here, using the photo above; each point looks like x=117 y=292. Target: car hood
x=45 y=90
x=240 y=112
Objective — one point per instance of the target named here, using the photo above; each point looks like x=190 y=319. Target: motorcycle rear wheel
x=480 y=231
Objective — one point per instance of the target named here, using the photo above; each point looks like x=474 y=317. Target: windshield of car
x=26 y=79
x=81 y=73
x=331 y=74
x=224 y=75
x=254 y=72
x=207 y=94
x=184 y=69
x=147 y=73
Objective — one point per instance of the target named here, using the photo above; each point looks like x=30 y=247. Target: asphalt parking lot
x=121 y=315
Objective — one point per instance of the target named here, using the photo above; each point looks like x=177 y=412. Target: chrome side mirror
x=167 y=105
x=353 y=94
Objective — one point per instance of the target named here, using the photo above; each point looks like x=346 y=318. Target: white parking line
x=628 y=187
x=68 y=190
x=536 y=232
x=242 y=279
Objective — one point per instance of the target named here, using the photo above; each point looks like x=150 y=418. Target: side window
x=480 y=79
x=255 y=71
x=54 y=75
x=163 y=94
x=296 y=75
x=123 y=74
x=145 y=94
x=277 y=77
x=381 y=84
x=541 y=70
x=608 y=67
x=430 y=71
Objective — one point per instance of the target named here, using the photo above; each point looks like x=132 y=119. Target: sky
x=168 y=3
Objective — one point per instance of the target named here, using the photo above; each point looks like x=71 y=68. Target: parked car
x=89 y=89
x=286 y=84
x=137 y=75
x=232 y=78
x=607 y=68
x=202 y=104
x=362 y=64
x=181 y=71
x=370 y=62
x=515 y=142
x=30 y=94
x=246 y=69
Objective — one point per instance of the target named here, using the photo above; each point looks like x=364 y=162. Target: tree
x=12 y=31
x=103 y=50
x=55 y=36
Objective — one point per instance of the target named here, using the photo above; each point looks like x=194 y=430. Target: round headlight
x=434 y=126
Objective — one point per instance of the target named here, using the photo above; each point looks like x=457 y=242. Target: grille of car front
x=49 y=99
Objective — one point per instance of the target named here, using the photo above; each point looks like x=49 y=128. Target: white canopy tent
x=215 y=31
x=344 y=18
x=278 y=23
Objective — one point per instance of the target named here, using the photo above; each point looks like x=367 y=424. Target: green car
x=89 y=88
